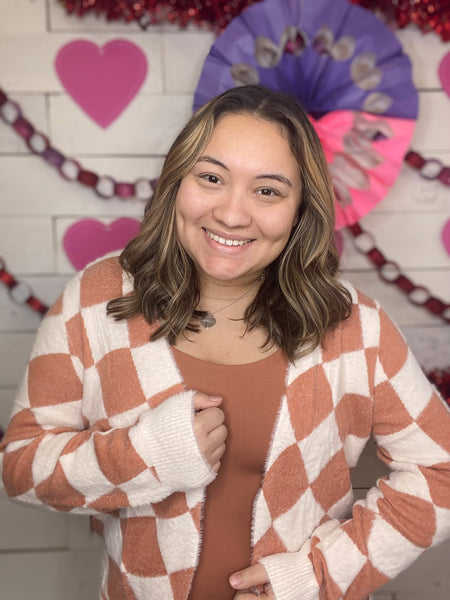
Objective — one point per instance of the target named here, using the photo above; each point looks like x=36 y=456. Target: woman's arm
x=52 y=455
x=406 y=513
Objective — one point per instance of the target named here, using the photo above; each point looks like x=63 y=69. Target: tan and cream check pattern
x=102 y=425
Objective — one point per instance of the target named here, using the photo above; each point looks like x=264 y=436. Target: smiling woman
x=206 y=396
x=244 y=204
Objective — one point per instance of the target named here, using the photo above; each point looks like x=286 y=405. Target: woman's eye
x=210 y=178
x=267 y=192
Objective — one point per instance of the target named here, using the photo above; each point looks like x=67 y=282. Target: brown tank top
x=251 y=397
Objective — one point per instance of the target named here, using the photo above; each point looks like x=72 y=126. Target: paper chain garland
x=427 y=15
x=104 y=186
x=142 y=189
x=390 y=272
x=20 y=292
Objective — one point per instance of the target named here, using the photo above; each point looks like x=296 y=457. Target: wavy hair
x=300 y=298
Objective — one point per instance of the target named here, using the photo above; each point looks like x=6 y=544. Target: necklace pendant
x=208 y=320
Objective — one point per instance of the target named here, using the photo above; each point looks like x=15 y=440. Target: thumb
x=202 y=401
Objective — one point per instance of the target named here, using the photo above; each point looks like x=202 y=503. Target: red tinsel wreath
x=427 y=15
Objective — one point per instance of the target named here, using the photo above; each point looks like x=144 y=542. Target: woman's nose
x=233 y=209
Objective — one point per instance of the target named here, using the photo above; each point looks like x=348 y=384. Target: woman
x=206 y=399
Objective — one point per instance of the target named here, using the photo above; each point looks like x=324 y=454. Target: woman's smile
x=222 y=240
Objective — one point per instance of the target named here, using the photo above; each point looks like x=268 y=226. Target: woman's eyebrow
x=214 y=161
x=277 y=177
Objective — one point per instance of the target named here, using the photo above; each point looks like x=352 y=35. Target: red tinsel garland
x=215 y=13
x=427 y=15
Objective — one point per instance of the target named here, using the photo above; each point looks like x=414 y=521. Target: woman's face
x=236 y=208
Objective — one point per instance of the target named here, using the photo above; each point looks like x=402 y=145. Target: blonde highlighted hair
x=300 y=298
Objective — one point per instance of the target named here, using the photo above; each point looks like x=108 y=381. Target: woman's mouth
x=225 y=241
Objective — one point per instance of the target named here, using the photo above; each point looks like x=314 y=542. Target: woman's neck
x=224 y=291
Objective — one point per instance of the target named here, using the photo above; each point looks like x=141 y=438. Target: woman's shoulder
x=105 y=279
x=368 y=321
x=366 y=313
x=359 y=298
x=99 y=282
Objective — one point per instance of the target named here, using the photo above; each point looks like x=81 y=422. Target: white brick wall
x=42 y=552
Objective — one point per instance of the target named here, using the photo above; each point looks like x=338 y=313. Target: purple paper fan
x=330 y=54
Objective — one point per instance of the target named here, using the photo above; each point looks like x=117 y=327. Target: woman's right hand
x=209 y=428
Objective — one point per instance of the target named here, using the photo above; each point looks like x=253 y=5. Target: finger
x=218 y=435
x=215 y=456
x=210 y=439
x=244 y=595
x=249 y=577
x=202 y=401
x=207 y=420
x=268 y=590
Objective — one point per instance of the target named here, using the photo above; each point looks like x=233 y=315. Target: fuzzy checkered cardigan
x=102 y=425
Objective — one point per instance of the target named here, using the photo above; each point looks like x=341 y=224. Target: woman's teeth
x=226 y=242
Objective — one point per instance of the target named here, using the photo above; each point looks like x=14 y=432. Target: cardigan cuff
x=291 y=574
x=167 y=444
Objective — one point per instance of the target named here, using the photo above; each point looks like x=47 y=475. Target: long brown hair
x=300 y=298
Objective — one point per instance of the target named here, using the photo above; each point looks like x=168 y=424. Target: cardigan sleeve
x=406 y=512
x=53 y=456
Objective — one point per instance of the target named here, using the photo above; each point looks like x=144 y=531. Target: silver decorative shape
x=208 y=320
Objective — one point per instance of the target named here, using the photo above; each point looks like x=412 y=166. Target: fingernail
x=235 y=579
x=216 y=398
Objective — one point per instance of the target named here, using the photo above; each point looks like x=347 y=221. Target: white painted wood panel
x=15 y=350
x=369 y=468
x=27 y=244
x=29 y=527
x=426 y=53
x=28 y=59
x=28 y=16
x=184 y=55
x=81 y=535
x=148 y=126
x=430 y=345
x=427 y=576
x=6 y=402
x=432 y=131
x=413 y=193
x=63 y=575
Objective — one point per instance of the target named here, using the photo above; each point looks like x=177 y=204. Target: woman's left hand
x=250 y=582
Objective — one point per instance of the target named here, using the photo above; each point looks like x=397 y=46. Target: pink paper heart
x=445 y=236
x=88 y=239
x=444 y=73
x=102 y=80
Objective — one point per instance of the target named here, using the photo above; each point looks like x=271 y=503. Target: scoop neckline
x=176 y=350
